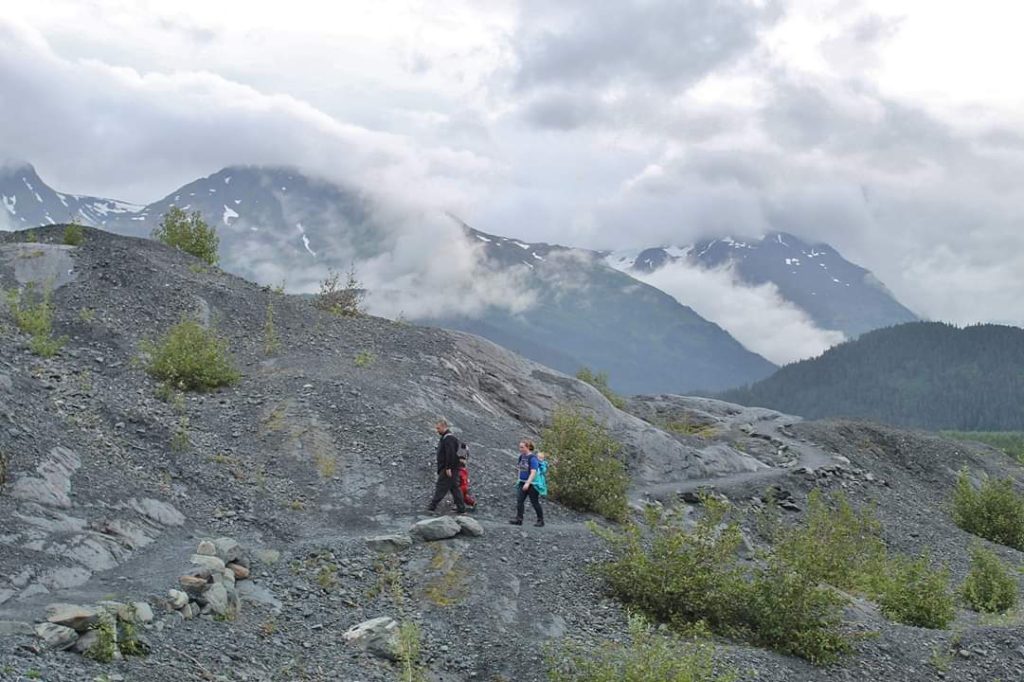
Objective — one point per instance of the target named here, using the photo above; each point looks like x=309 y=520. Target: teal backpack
x=540 y=481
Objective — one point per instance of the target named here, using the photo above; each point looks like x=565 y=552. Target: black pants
x=445 y=485
x=534 y=496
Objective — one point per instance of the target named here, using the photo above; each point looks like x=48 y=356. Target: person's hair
x=441 y=422
x=528 y=443
x=542 y=454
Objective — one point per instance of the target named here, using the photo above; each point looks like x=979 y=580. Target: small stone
x=207 y=548
x=192 y=585
x=469 y=526
x=267 y=556
x=78 y=618
x=964 y=653
x=56 y=636
x=217 y=599
x=215 y=564
x=176 y=599
x=228 y=549
x=240 y=572
x=143 y=612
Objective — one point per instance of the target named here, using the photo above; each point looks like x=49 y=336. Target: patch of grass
x=365 y=359
x=103 y=650
x=33 y=674
x=409 y=652
x=74 y=235
x=326 y=464
x=585 y=472
x=33 y=314
x=1010 y=442
x=344 y=300
x=297 y=504
x=327 y=577
x=274 y=421
x=267 y=628
x=191 y=357
x=87 y=315
x=599 y=380
x=648 y=657
x=995 y=511
x=181 y=441
x=686 y=427
x=451 y=584
x=189 y=233
x=990 y=586
x=914 y=593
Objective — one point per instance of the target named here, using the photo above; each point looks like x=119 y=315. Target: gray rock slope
x=311 y=453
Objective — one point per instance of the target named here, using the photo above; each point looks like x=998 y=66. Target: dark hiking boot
x=540 y=523
x=516 y=522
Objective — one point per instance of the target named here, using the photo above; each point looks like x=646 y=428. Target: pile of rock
x=105 y=632
x=208 y=588
x=427 y=530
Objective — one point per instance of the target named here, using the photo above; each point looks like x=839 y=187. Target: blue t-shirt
x=526 y=463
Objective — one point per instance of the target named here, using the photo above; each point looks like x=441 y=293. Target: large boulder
x=440 y=528
x=379 y=636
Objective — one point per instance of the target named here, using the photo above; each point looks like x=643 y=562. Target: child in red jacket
x=464 y=477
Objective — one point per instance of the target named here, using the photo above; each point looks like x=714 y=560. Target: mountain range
x=588 y=309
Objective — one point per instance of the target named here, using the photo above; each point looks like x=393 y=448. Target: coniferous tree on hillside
x=922 y=374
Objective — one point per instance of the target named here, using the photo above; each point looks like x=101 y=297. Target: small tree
x=599 y=380
x=189 y=233
x=73 y=234
x=990 y=586
x=343 y=300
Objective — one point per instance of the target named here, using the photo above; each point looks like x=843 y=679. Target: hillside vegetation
x=922 y=374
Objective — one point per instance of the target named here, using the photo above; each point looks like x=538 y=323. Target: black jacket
x=447 y=452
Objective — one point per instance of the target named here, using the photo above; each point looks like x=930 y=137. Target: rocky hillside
x=325 y=445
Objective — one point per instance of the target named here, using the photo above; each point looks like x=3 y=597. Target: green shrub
x=189 y=233
x=994 y=512
x=585 y=472
x=990 y=586
x=74 y=235
x=365 y=359
x=648 y=657
x=684 y=577
x=338 y=299
x=599 y=381
x=794 y=614
x=105 y=647
x=33 y=314
x=837 y=546
x=191 y=357
x=913 y=593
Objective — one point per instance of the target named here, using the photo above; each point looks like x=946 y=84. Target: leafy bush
x=649 y=656
x=585 y=472
x=682 y=577
x=599 y=381
x=189 y=233
x=913 y=593
x=191 y=357
x=838 y=546
x=365 y=358
x=994 y=512
x=990 y=586
x=342 y=300
x=74 y=235
x=33 y=314
x=794 y=614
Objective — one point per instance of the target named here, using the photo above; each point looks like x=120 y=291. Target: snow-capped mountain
x=26 y=201
x=589 y=314
x=835 y=293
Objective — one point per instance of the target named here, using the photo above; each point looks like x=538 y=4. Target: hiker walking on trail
x=447 y=468
x=528 y=466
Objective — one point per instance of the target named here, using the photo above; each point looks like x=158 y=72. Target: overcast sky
x=893 y=130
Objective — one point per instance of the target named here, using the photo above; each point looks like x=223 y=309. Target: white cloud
x=757 y=316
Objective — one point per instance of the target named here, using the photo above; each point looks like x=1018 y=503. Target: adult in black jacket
x=447 y=468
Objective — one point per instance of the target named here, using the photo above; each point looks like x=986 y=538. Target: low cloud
x=757 y=316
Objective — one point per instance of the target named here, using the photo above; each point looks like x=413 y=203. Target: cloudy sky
x=892 y=130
